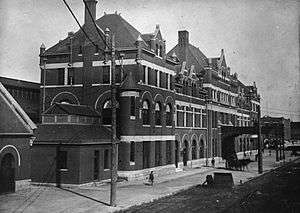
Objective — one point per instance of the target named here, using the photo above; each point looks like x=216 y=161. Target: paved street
x=275 y=191
x=96 y=198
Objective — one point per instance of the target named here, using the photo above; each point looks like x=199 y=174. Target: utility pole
x=282 y=138
x=259 y=148
x=58 y=166
x=114 y=151
x=44 y=83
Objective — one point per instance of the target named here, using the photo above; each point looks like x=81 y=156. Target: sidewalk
x=96 y=198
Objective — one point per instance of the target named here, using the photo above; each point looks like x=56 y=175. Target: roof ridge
x=199 y=62
x=30 y=125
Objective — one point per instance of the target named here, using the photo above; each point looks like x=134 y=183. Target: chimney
x=91 y=5
x=183 y=38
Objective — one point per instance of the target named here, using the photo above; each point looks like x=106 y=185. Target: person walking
x=213 y=162
x=151 y=178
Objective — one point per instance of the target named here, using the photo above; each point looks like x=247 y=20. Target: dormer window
x=80 y=50
x=160 y=51
x=96 y=50
x=157 y=49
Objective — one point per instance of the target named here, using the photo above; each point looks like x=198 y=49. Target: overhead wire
x=70 y=10
x=95 y=25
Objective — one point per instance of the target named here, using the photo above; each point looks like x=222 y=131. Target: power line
x=96 y=26
x=70 y=10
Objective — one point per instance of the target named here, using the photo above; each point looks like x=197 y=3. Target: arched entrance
x=201 y=149
x=185 y=153
x=176 y=153
x=7 y=174
x=194 y=150
x=146 y=154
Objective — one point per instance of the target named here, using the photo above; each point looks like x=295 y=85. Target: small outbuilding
x=71 y=146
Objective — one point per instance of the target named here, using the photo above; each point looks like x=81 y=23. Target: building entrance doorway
x=176 y=153
x=146 y=154
x=185 y=153
x=7 y=174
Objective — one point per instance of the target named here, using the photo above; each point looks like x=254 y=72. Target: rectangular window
x=70 y=76
x=157 y=74
x=189 y=118
x=62 y=156
x=204 y=121
x=167 y=86
x=143 y=77
x=106 y=74
x=153 y=80
x=61 y=76
x=162 y=80
x=106 y=159
x=132 y=106
x=197 y=120
x=180 y=118
x=171 y=82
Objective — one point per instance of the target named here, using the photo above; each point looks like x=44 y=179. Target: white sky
x=260 y=37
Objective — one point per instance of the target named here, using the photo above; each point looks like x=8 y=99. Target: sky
x=260 y=37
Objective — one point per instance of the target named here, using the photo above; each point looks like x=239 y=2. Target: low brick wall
x=22 y=184
x=249 y=154
x=142 y=174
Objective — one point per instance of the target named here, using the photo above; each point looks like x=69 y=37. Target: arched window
x=194 y=150
x=157 y=114
x=201 y=149
x=169 y=115
x=64 y=101
x=146 y=113
x=106 y=113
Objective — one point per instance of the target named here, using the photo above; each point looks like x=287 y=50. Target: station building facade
x=170 y=105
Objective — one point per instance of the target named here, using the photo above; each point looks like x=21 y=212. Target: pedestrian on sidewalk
x=151 y=178
x=213 y=162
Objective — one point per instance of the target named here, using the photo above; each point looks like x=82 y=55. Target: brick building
x=16 y=137
x=170 y=106
x=295 y=131
x=284 y=125
x=225 y=99
x=26 y=93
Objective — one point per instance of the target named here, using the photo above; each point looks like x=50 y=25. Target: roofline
x=19 y=80
x=19 y=111
x=41 y=143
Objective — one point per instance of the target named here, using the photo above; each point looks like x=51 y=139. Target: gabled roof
x=19 y=83
x=222 y=61
x=214 y=62
x=71 y=109
x=126 y=34
x=147 y=36
x=16 y=109
x=72 y=134
x=194 y=56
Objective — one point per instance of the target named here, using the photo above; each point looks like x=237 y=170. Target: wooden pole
x=58 y=163
x=114 y=151
x=260 y=166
